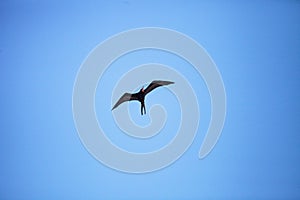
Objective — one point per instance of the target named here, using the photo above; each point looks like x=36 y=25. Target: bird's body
x=140 y=96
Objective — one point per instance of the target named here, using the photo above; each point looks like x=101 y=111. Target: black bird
x=140 y=96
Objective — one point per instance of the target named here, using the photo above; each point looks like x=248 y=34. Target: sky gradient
x=256 y=46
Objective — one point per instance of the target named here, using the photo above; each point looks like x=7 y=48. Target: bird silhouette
x=140 y=96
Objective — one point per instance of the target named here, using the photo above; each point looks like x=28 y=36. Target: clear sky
x=256 y=46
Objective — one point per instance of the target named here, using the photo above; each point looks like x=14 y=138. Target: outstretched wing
x=155 y=84
x=125 y=97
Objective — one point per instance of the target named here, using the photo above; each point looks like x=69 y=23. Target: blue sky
x=256 y=46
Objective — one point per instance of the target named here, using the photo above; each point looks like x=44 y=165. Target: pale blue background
x=256 y=47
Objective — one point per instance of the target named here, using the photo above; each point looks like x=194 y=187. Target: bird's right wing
x=124 y=98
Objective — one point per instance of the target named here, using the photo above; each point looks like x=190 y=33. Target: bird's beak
x=143 y=89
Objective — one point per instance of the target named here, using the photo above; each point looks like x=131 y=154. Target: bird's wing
x=155 y=84
x=125 y=97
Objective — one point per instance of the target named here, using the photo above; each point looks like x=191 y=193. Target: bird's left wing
x=124 y=98
x=155 y=84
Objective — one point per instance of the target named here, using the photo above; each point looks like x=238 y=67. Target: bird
x=140 y=96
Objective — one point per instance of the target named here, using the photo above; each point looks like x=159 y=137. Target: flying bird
x=140 y=96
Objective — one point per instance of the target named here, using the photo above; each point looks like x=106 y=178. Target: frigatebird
x=140 y=96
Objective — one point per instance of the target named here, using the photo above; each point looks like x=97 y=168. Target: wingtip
x=170 y=82
x=166 y=82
